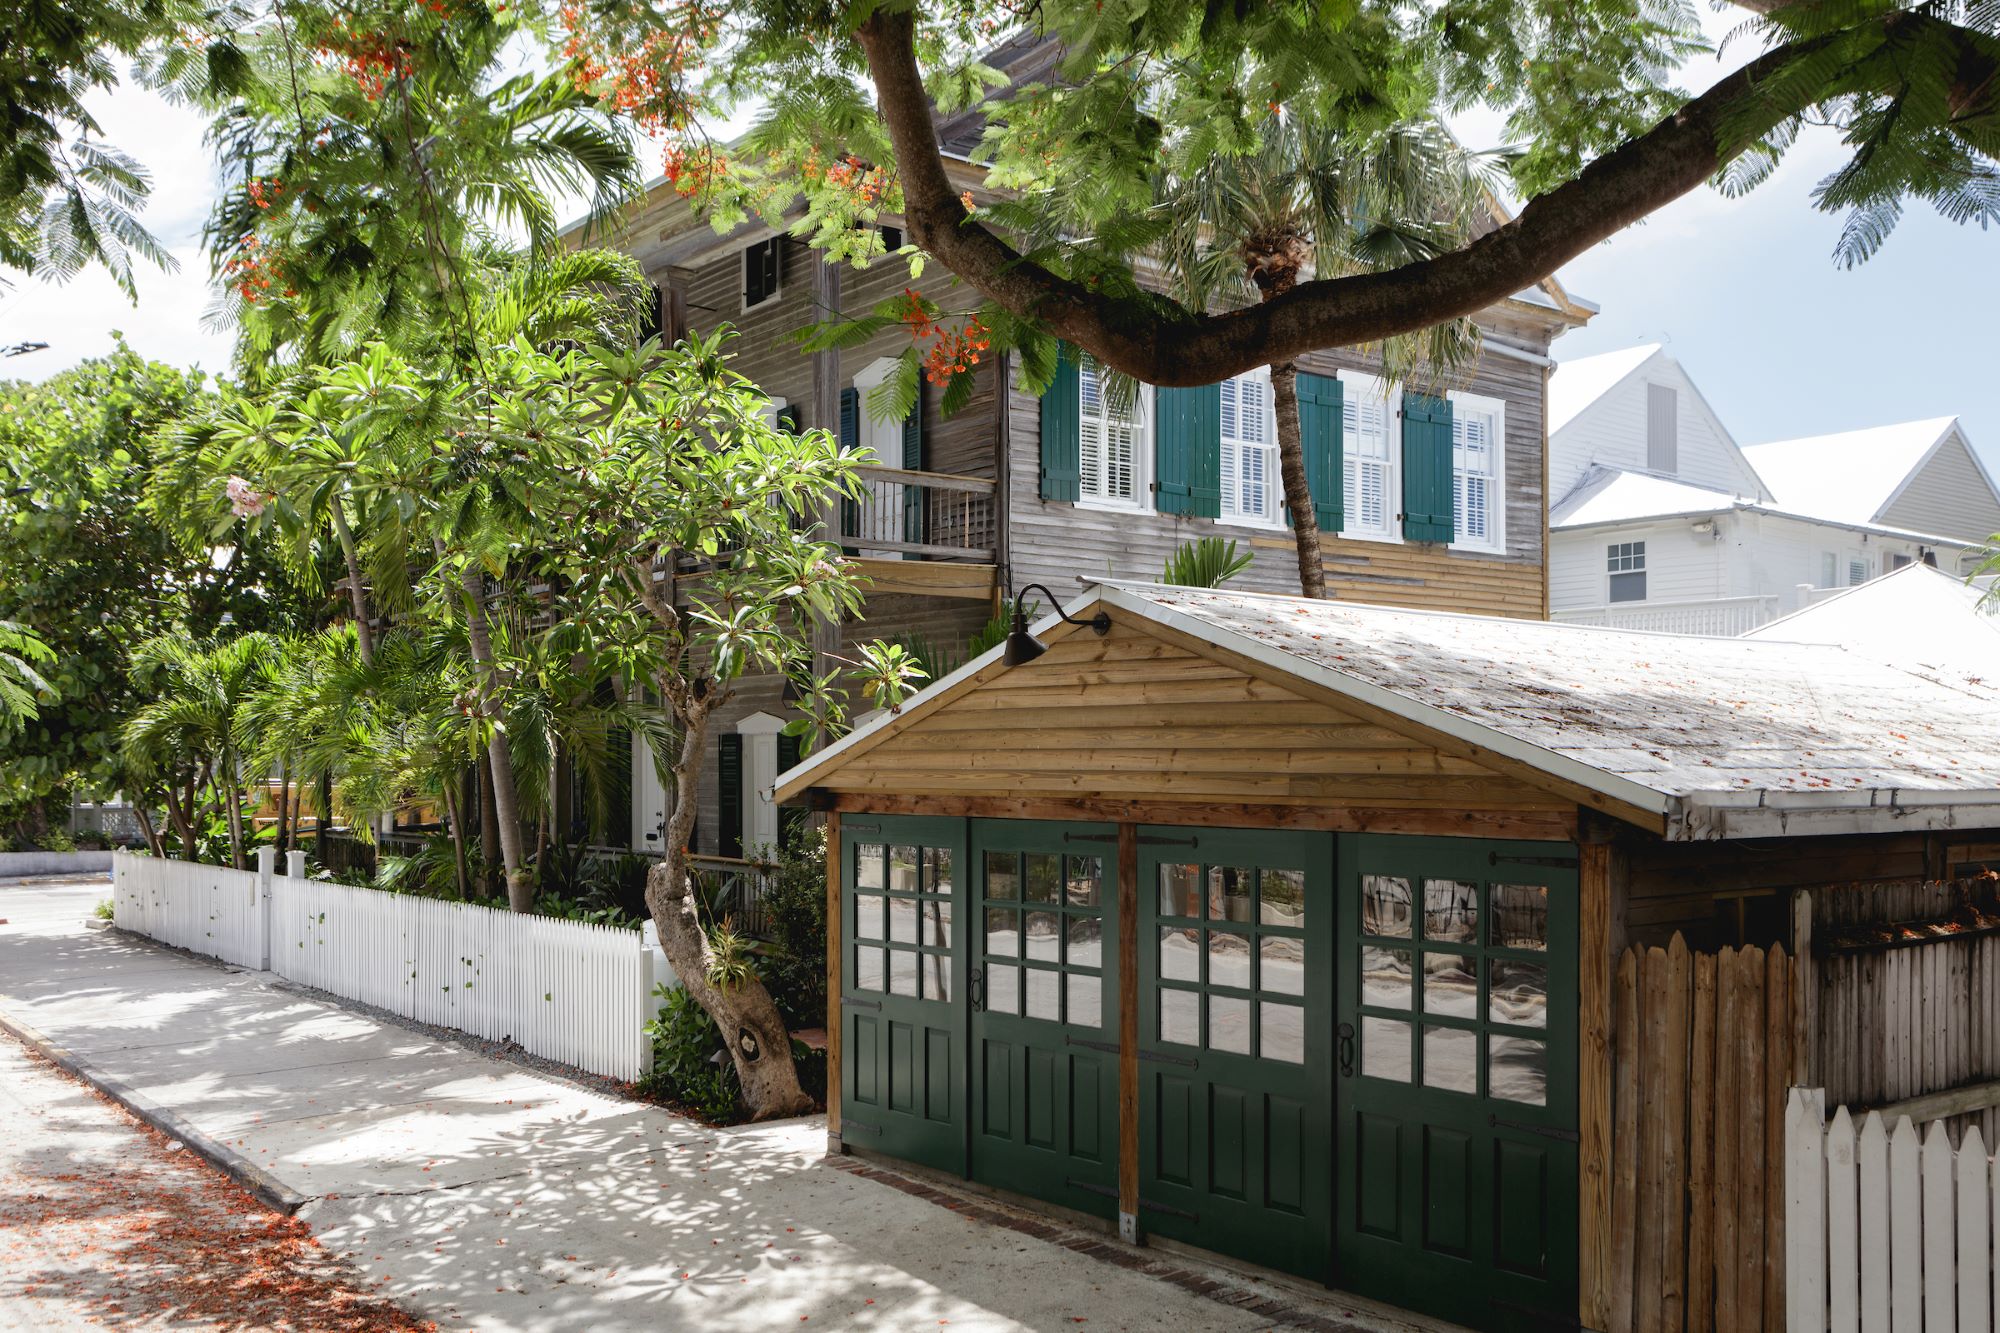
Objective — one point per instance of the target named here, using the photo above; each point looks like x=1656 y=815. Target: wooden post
x=1128 y=1033
x=1805 y=993
x=260 y=907
x=835 y=949
x=1594 y=1085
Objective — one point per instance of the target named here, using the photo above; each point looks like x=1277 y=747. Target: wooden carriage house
x=1286 y=930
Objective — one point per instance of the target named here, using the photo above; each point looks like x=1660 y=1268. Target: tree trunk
x=154 y=843
x=489 y=826
x=232 y=806
x=1292 y=468
x=457 y=827
x=181 y=812
x=506 y=806
x=363 y=635
x=284 y=803
x=755 y=1035
x=324 y=818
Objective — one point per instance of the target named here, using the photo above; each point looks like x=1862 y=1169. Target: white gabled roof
x=1722 y=737
x=1575 y=385
x=1850 y=476
x=1917 y=617
x=1613 y=495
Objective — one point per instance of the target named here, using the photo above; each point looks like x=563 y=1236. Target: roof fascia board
x=1549 y=764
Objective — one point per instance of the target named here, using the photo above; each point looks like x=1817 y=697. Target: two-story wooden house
x=1441 y=508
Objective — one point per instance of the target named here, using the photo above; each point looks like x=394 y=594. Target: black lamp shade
x=1021 y=647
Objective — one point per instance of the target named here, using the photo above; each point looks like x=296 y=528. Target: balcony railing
x=733 y=888
x=903 y=514
x=1717 y=617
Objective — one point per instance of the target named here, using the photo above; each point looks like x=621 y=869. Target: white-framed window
x=1252 y=491
x=1370 y=476
x=1857 y=570
x=1114 y=442
x=879 y=511
x=1625 y=568
x=1478 y=472
x=762 y=271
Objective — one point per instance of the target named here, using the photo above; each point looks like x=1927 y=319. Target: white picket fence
x=1886 y=1230
x=564 y=990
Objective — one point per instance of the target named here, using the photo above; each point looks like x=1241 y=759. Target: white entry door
x=760 y=774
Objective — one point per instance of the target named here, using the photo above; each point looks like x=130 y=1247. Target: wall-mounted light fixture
x=1021 y=647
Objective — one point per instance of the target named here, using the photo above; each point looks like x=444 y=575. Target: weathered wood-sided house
x=1424 y=501
x=1290 y=930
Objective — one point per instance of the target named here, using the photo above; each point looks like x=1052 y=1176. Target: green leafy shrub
x=1208 y=562
x=92 y=840
x=104 y=911
x=686 y=1068
x=56 y=840
x=793 y=967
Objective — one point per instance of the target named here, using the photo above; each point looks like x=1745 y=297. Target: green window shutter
x=850 y=438
x=789 y=816
x=1320 y=417
x=1187 y=451
x=913 y=460
x=1062 y=466
x=729 y=793
x=1426 y=468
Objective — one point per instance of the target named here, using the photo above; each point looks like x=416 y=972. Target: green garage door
x=1044 y=992
x=1457 y=1092
x=1235 y=998
x=903 y=1084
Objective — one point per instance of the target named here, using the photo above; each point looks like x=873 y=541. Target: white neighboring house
x=1661 y=521
x=1918 y=618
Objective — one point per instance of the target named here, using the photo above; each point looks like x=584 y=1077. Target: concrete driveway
x=487 y=1196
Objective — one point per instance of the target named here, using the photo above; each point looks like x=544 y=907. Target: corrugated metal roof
x=1849 y=476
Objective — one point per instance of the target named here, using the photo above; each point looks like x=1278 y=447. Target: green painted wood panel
x=1187 y=451
x=1062 y=468
x=1320 y=423
x=1427 y=502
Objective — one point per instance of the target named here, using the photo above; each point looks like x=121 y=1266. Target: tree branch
x=1614 y=191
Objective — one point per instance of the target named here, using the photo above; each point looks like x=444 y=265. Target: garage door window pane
x=868 y=916
x=1281 y=965
x=1086 y=880
x=1281 y=898
x=1451 y=911
x=1519 y=993
x=1385 y=1049
x=868 y=967
x=1003 y=990
x=1003 y=875
x=1451 y=1059
x=1041 y=939
x=868 y=867
x=1229 y=893
x=1180 y=891
x=936 y=970
x=1385 y=906
x=903 y=920
x=1180 y=1017
x=1180 y=954
x=1385 y=977
x=1044 y=877
x=902 y=972
x=1449 y=986
x=1043 y=992
x=1086 y=1001
x=1520 y=916
x=1228 y=1024
x=936 y=923
x=1519 y=1069
x=1282 y=1030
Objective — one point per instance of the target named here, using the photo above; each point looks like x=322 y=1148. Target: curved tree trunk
x=231 y=781
x=506 y=805
x=758 y=1042
x=357 y=598
x=1292 y=468
x=154 y=844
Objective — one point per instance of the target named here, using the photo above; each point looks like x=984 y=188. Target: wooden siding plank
x=1594 y=1267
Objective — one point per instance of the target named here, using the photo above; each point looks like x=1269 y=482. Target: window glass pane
x=1003 y=932
x=1229 y=893
x=1003 y=875
x=1518 y=1070
x=1449 y=986
x=1282 y=1030
x=937 y=870
x=1385 y=978
x=1518 y=916
x=903 y=920
x=1180 y=954
x=1228 y=960
x=867 y=968
x=1043 y=993
x=935 y=922
x=1451 y=1059
x=1451 y=911
x=1044 y=876
x=1086 y=877
x=902 y=972
x=1180 y=1017
x=1519 y=993
x=1628 y=587
x=868 y=916
x=1003 y=990
x=1086 y=1000
x=936 y=969
x=1180 y=891
x=1040 y=936
x=903 y=869
x=1228 y=1024
x=1281 y=898
x=1385 y=1049
x=1084 y=946
x=868 y=865
x=1385 y=906
x=1281 y=967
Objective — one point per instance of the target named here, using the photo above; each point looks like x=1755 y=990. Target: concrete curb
x=267 y=1187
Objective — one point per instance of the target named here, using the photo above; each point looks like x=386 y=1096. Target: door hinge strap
x=1155 y=1206
x=1558 y=862
x=846 y=827
x=1161 y=1057
x=848 y=1122
x=1545 y=1131
x=846 y=1000
x=1108 y=1047
x=1090 y=837
x=1088 y=1187
x=1150 y=841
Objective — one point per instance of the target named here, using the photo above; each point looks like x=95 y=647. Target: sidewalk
x=486 y=1196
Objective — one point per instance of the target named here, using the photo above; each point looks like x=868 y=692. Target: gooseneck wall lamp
x=1021 y=647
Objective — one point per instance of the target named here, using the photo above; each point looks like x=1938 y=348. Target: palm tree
x=1309 y=198
x=194 y=732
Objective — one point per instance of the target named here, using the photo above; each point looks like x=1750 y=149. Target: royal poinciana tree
x=854 y=91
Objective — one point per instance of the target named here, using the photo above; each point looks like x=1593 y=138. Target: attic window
x=1625 y=562
x=760 y=272
x=892 y=238
x=1663 y=446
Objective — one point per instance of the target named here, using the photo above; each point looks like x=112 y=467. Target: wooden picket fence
x=563 y=990
x=1701 y=1063
x=1887 y=1232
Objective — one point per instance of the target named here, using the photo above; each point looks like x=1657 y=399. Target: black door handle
x=978 y=990
x=1346 y=1032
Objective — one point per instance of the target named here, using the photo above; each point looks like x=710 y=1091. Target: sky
x=1744 y=293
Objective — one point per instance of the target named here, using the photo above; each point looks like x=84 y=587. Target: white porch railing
x=1720 y=617
x=564 y=990
x=1886 y=1232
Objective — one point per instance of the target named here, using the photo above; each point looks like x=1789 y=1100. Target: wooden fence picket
x=1906 y=1255
x=1872 y=1167
x=1940 y=1253
x=1975 y=1241
x=1843 y=1236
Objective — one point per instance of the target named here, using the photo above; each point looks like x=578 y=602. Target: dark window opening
x=760 y=272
